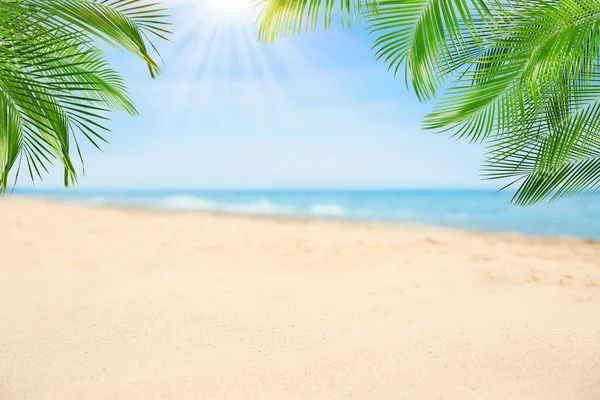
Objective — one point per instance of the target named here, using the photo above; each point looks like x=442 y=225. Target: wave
x=327 y=209
x=262 y=206
x=190 y=203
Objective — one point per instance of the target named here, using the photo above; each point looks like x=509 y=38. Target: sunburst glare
x=229 y=7
x=219 y=59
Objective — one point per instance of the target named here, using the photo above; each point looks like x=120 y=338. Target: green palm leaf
x=521 y=75
x=430 y=38
x=279 y=18
x=54 y=82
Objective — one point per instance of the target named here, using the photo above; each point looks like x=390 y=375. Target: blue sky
x=314 y=110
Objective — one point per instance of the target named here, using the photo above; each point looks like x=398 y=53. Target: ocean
x=465 y=209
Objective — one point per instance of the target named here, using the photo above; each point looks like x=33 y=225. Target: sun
x=229 y=7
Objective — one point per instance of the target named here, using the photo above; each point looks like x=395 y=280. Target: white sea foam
x=262 y=206
x=327 y=209
x=189 y=203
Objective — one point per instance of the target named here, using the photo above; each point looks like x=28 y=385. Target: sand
x=99 y=303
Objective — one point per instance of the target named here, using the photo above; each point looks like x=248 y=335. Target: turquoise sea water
x=473 y=210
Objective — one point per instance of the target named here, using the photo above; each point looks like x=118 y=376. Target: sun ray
x=222 y=61
x=229 y=7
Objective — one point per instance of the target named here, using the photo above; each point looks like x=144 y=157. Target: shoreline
x=300 y=219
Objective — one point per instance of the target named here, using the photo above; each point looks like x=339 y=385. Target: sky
x=310 y=111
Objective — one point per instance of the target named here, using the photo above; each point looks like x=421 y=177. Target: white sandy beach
x=102 y=303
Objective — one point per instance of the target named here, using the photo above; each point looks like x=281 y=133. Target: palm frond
x=431 y=39
x=54 y=82
x=278 y=18
x=521 y=75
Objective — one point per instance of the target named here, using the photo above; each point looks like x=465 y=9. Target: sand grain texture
x=129 y=304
